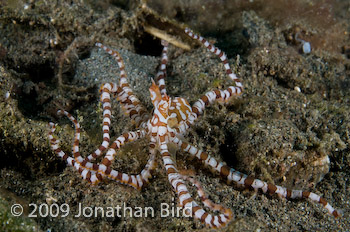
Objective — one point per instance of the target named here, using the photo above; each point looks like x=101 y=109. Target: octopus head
x=162 y=103
x=175 y=110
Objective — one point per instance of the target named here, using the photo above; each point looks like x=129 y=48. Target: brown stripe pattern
x=106 y=90
x=162 y=68
x=177 y=181
x=231 y=175
x=215 y=95
x=94 y=173
x=169 y=122
x=129 y=102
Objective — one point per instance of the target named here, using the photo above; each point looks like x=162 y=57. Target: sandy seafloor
x=290 y=127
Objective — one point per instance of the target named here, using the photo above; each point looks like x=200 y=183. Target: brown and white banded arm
x=211 y=96
x=130 y=103
x=106 y=90
x=205 y=199
x=162 y=68
x=186 y=201
x=94 y=173
x=231 y=175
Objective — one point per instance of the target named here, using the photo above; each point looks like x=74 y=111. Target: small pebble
x=306 y=47
x=7 y=95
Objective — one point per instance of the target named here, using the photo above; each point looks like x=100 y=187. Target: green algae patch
x=9 y=222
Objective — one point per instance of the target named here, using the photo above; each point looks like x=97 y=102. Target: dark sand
x=290 y=127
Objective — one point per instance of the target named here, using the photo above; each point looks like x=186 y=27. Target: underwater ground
x=290 y=127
